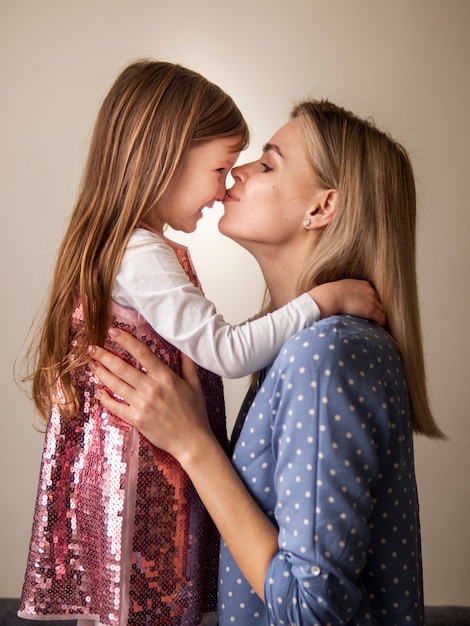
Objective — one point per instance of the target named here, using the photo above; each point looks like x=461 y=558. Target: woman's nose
x=235 y=172
x=239 y=173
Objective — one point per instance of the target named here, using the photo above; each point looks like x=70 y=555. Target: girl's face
x=271 y=196
x=199 y=184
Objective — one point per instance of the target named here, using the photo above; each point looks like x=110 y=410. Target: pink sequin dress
x=120 y=535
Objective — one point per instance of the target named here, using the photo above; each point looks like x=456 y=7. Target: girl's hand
x=353 y=297
x=168 y=410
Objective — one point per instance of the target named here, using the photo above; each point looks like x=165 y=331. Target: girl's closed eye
x=266 y=167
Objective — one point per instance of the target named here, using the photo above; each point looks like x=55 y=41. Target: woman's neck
x=280 y=275
x=282 y=264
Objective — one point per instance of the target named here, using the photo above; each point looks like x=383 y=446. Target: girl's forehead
x=226 y=148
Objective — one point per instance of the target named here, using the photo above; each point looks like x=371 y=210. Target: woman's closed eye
x=266 y=167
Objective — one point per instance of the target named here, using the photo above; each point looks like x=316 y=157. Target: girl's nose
x=222 y=190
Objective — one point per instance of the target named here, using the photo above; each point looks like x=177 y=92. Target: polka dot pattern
x=327 y=451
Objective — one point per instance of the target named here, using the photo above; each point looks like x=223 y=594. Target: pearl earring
x=307 y=221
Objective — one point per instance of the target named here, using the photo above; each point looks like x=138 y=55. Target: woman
x=319 y=511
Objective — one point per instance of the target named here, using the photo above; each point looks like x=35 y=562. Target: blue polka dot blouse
x=327 y=451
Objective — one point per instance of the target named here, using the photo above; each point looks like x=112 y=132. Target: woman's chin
x=224 y=226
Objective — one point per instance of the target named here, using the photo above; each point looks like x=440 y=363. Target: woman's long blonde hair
x=154 y=113
x=372 y=235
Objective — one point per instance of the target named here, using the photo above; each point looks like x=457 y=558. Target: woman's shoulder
x=349 y=328
x=339 y=337
x=344 y=328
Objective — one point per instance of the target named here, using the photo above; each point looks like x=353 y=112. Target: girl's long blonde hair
x=372 y=235
x=152 y=116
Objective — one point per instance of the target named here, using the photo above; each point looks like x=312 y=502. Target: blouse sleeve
x=151 y=281
x=326 y=458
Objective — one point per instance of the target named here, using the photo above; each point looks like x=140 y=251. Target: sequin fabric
x=119 y=532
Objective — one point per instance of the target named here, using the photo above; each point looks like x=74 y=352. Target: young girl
x=119 y=534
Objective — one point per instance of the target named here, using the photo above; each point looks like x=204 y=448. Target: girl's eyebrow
x=272 y=146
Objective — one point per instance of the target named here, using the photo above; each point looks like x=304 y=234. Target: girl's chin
x=188 y=226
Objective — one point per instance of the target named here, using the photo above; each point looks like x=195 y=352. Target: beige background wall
x=404 y=62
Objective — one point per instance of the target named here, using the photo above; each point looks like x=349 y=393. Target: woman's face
x=271 y=196
x=200 y=183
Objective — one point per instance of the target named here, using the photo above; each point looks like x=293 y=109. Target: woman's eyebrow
x=272 y=146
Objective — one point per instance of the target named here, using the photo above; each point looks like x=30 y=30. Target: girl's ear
x=322 y=213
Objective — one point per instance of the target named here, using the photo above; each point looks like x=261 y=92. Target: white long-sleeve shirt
x=151 y=281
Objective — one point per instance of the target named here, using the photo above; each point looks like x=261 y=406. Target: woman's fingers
x=139 y=395
x=167 y=409
x=120 y=409
x=145 y=357
x=116 y=373
x=112 y=371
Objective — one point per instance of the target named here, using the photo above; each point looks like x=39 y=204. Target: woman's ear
x=323 y=211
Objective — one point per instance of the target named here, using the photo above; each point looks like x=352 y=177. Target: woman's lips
x=230 y=197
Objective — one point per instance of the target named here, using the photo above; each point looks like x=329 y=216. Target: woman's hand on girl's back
x=168 y=410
